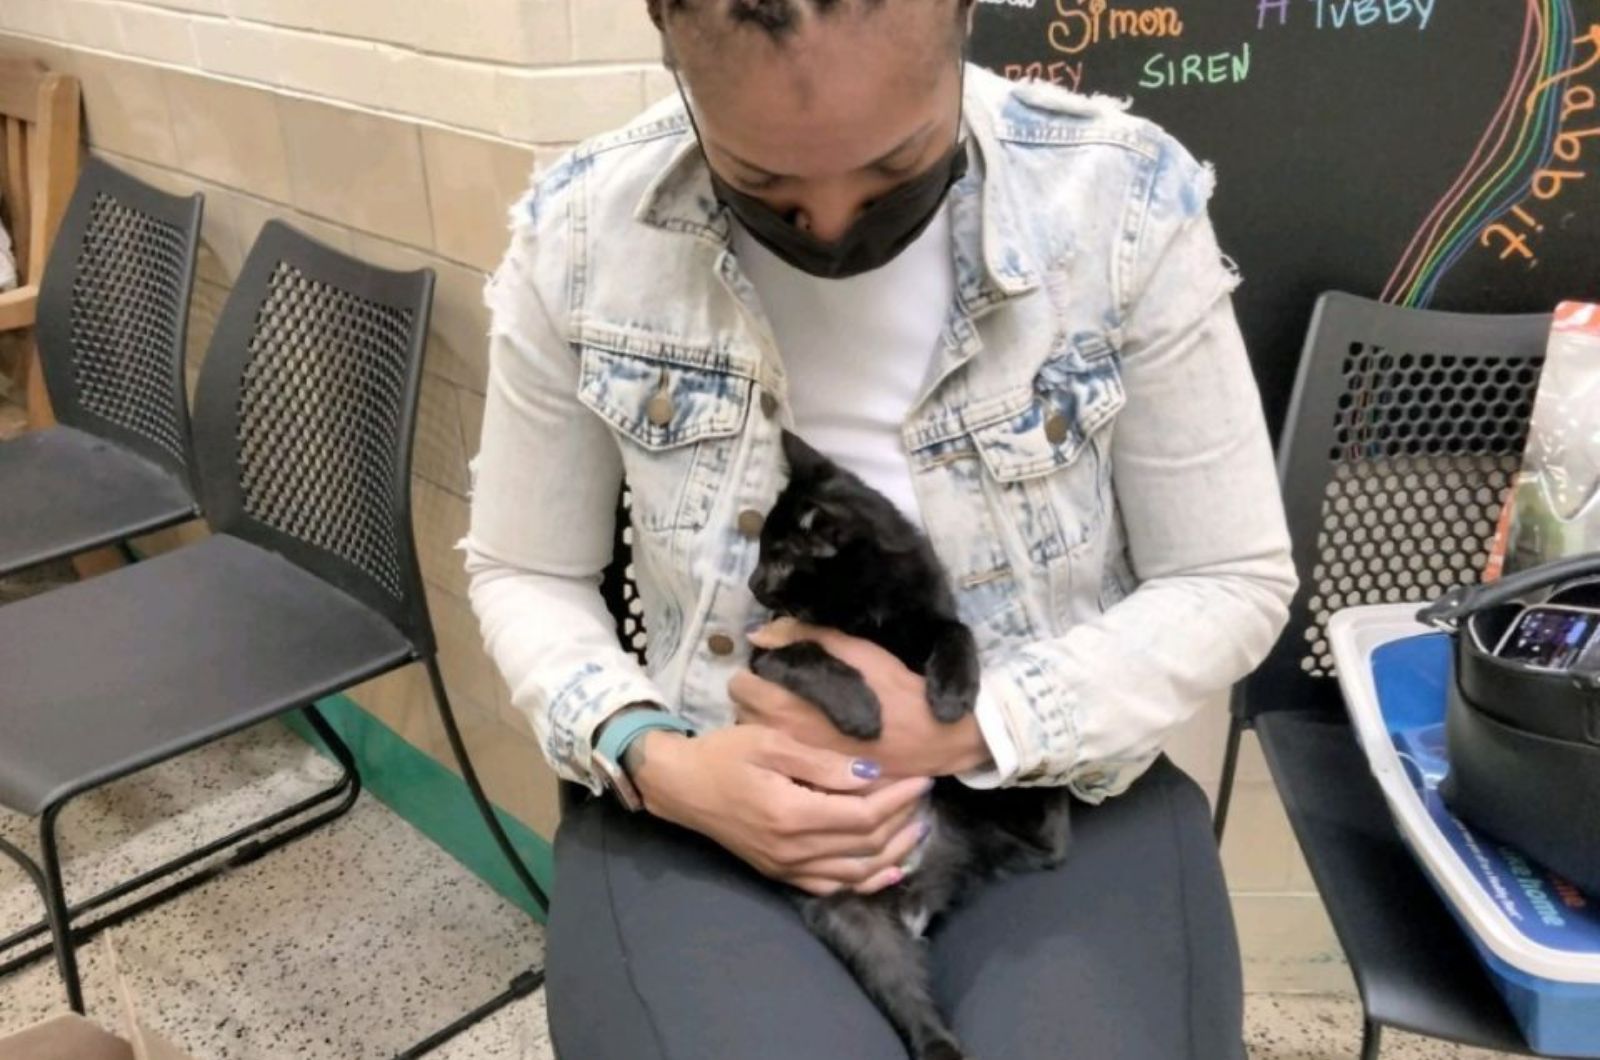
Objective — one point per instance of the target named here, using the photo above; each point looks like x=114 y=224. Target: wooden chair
x=39 y=158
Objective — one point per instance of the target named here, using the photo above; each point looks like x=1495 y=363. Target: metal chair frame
x=1404 y=431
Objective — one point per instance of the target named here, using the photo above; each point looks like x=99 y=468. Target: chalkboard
x=1441 y=153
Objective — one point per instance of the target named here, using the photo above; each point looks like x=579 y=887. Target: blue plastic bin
x=1538 y=936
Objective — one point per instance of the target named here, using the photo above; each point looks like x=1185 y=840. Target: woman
x=1005 y=308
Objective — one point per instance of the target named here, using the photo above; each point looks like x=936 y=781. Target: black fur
x=835 y=552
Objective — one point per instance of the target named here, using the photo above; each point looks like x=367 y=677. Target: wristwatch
x=616 y=734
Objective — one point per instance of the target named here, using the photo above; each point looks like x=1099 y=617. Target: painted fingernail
x=865 y=768
x=922 y=832
x=896 y=874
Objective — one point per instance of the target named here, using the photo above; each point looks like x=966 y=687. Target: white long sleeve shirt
x=856 y=352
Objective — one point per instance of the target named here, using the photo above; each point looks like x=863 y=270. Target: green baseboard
x=433 y=799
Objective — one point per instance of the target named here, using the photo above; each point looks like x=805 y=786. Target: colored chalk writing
x=1160 y=71
x=1513 y=189
x=1503 y=220
x=1347 y=14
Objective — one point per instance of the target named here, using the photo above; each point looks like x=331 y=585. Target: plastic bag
x=1554 y=507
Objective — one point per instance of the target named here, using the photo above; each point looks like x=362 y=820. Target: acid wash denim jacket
x=1088 y=447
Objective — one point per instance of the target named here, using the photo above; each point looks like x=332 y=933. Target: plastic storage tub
x=1538 y=936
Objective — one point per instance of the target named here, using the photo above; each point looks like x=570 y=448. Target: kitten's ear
x=897 y=536
x=818 y=523
x=820 y=532
x=804 y=461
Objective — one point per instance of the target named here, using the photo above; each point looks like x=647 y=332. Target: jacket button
x=769 y=404
x=720 y=644
x=659 y=410
x=1055 y=428
x=750 y=522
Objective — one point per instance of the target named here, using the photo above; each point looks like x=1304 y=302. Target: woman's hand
x=913 y=743
x=816 y=819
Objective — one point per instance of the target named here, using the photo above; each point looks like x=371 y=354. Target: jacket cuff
x=580 y=707
x=1002 y=748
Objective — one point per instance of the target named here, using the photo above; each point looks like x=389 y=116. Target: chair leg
x=1230 y=765
x=470 y=775
x=40 y=414
x=55 y=900
x=1371 y=1039
x=42 y=884
x=523 y=983
x=245 y=849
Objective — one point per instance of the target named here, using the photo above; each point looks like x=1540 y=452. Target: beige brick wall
x=540 y=71
x=400 y=130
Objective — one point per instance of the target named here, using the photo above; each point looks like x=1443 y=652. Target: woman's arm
x=546 y=481
x=1197 y=490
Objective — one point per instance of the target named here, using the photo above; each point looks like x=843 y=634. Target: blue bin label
x=1411 y=677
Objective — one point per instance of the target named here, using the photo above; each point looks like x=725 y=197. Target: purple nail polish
x=922 y=833
x=865 y=768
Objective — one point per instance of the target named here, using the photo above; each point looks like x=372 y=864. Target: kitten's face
x=826 y=528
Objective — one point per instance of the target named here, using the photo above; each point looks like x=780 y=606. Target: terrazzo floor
x=362 y=937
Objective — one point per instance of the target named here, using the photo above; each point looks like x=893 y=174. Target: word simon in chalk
x=1081 y=23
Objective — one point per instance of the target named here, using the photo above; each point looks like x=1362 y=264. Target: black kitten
x=835 y=552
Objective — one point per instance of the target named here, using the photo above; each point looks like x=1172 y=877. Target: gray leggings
x=663 y=945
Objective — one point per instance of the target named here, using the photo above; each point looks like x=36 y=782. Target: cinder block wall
x=401 y=130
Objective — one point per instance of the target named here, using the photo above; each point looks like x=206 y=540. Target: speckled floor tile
x=353 y=942
x=363 y=937
x=1310 y=1027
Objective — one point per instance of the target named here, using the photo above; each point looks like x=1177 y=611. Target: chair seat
x=110 y=675
x=65 y=491
x=1413 y=964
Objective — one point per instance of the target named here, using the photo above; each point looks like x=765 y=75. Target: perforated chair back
x=1405 y=430
x=113 y=314
x=620 y=588
x=304 y=417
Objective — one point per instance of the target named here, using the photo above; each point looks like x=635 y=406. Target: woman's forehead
x=809 y=121
x=832 y=98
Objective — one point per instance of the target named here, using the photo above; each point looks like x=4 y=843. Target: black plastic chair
x=1404 y=432
x=113 y=316
x=309 y=583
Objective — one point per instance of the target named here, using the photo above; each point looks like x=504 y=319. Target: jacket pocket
x=1047 y=448
x=675 y=422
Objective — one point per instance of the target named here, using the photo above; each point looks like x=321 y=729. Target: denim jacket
x=1088 y=448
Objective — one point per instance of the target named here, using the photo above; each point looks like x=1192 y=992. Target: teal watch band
x=623 y=730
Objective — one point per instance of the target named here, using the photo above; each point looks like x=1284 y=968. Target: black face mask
x=884 y=229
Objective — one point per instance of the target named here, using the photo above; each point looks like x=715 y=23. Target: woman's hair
x=776 y=18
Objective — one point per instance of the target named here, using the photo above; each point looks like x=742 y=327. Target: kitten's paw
x=837 y=689
x=950 y=703
x=856 y=712
x=946 y=1050
x=953 y=674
